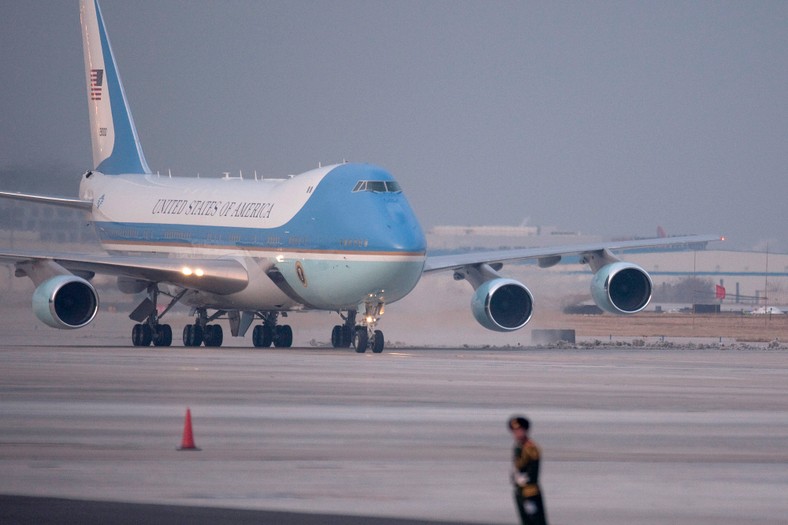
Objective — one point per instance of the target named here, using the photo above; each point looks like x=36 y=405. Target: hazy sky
x=601 y=117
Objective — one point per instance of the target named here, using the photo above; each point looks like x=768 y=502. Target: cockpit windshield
x=378 y=186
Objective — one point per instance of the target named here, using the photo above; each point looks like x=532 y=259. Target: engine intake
x=503 y=305
x=65 y=301
x=621 y=288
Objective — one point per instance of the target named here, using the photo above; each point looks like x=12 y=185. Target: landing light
x=198 y=272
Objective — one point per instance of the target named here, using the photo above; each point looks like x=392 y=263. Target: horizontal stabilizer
x=43 y=199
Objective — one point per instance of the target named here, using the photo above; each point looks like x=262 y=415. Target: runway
x=629 y=435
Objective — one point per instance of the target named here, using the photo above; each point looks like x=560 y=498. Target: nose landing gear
x=365 y=336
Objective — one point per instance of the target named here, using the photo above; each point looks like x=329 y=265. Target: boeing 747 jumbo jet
x=340 y=238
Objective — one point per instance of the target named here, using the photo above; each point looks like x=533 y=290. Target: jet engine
x=65 y=301
x=621 y=288
x=503 y=305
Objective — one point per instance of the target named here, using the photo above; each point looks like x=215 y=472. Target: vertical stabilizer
x=116 y=147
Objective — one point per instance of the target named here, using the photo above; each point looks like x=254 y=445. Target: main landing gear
x=201 y=332
x=269 y=333
x=362 y=336
x=148 y=329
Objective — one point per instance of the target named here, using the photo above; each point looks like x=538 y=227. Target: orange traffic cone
x=187 y=443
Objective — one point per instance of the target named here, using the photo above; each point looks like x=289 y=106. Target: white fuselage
x=305 y=241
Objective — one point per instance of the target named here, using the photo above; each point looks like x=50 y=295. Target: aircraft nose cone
x=404 y=231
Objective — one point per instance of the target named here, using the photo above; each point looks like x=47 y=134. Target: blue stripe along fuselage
x=349 y=245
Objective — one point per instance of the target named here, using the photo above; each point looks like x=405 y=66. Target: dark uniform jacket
x=526 y=464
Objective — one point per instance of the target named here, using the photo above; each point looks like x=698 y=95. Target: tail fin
x=116 y=147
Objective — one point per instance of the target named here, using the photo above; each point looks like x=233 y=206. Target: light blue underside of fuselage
x=339 y=285
x=349 y=245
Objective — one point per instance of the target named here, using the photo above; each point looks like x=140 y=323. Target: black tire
x=163 y=335
x=336 y=336
x=268 y=335
x=378 y=342
x=283 y=336
x=214 y=335
x=198 y=335
x=360 y=339
x=257 y=336
x=167 y=335
x=262 y=336
x=192 y=335
x=347 y=336
x=137 y=335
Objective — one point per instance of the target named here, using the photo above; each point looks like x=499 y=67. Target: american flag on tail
x=96 y=82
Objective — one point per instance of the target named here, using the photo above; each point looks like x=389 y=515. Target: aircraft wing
x=551 y=255
x=221 y=276
x=44 y=199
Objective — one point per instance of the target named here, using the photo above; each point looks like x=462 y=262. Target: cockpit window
x=378 y=186
x=393 y=187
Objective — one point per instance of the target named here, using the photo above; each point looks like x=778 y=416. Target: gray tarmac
x=629 y=435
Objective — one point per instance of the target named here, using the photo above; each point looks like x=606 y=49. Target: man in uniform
x=525 y=474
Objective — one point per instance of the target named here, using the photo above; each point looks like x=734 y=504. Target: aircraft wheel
x=262 y=336
x=378 y=342
x=163 y=336
x=214 y=335
x=141 y=335
x=336 y=336
x=187 y=335
x=347 y=336
x=192 y=335
x=360 y=339
x=283 y=336
x=136 y=335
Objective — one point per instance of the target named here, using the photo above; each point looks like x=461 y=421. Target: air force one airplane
x=340 y=238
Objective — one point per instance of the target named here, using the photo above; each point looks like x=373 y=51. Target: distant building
x=24 y=223
x=447 y=238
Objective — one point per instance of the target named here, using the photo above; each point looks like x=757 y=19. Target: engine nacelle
x=621 y=288
x=503 y=305
x=65 y=301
